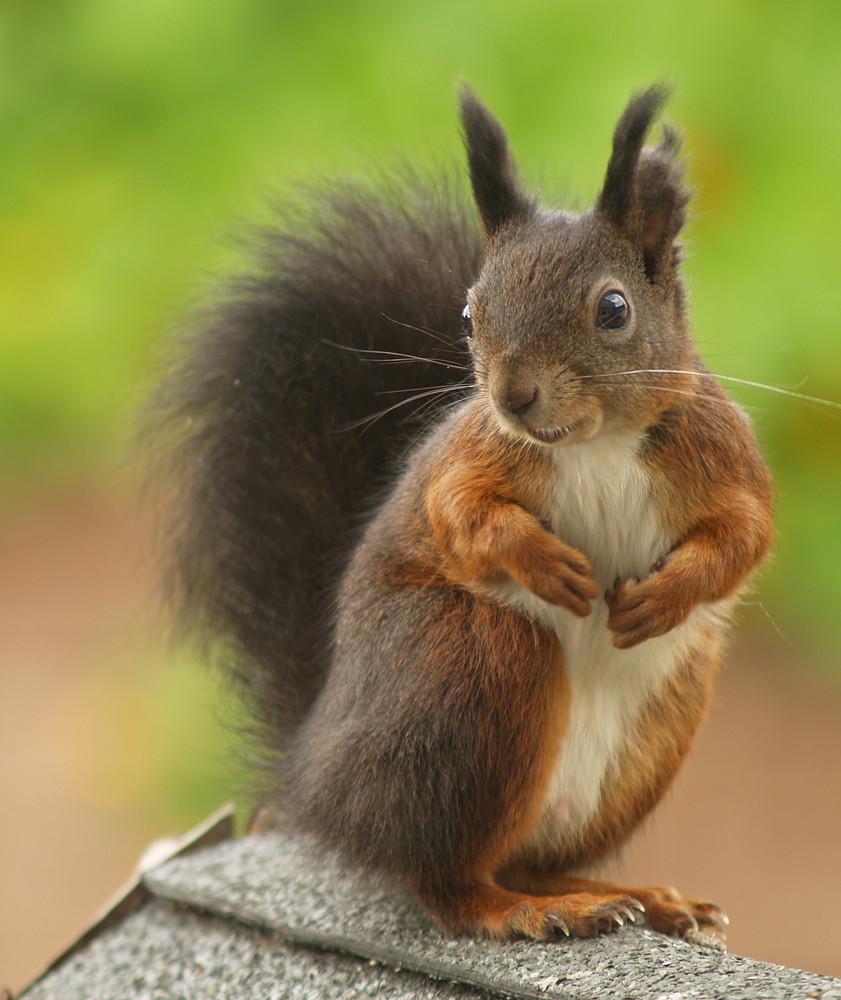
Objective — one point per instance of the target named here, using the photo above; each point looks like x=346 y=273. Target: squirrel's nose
x=519 y=399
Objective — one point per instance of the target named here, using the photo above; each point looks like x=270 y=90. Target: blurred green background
x=136 y=133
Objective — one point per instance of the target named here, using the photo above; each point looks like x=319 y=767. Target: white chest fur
x=601 y=503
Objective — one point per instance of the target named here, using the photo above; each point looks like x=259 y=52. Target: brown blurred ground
x=754 y=821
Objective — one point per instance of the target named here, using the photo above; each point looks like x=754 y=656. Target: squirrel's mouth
x=551 y=436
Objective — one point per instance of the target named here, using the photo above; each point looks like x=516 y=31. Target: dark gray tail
x=267 y=419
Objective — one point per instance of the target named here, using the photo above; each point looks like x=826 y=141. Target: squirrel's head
x=574 y=317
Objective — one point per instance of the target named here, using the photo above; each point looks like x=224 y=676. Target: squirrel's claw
x=633 y=912
x=712 y=914
x=558 y=923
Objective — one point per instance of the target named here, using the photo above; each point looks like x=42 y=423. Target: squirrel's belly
x=608 y=691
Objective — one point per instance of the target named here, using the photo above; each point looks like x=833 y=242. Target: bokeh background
x=137 y=134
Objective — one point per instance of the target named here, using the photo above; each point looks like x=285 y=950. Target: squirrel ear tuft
x=492 y=173
x=644 y=194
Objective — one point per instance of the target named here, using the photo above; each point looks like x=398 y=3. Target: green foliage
x=134 y=133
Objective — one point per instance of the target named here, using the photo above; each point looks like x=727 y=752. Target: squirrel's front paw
x=560 y=574
x=643 y=609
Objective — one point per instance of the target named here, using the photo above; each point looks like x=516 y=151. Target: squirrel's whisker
x=398 y=357
x=434 y=391
x=420 y=329
x=781 y=390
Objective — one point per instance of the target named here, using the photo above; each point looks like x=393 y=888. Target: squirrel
x=477 y=641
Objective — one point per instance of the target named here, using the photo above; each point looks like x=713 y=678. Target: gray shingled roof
x=273 y=916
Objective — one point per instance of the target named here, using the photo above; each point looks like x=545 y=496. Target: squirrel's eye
x=613 y=311
x=467 y=322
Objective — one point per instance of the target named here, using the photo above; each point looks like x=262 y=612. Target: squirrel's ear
x=492 y=173
x=644 y=194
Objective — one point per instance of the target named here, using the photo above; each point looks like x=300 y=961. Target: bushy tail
x=266 y=419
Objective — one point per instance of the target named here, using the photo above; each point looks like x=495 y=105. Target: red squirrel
x=476 y=641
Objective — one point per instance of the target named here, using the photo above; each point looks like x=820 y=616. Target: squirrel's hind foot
x=490 y=911
x=665 y=909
